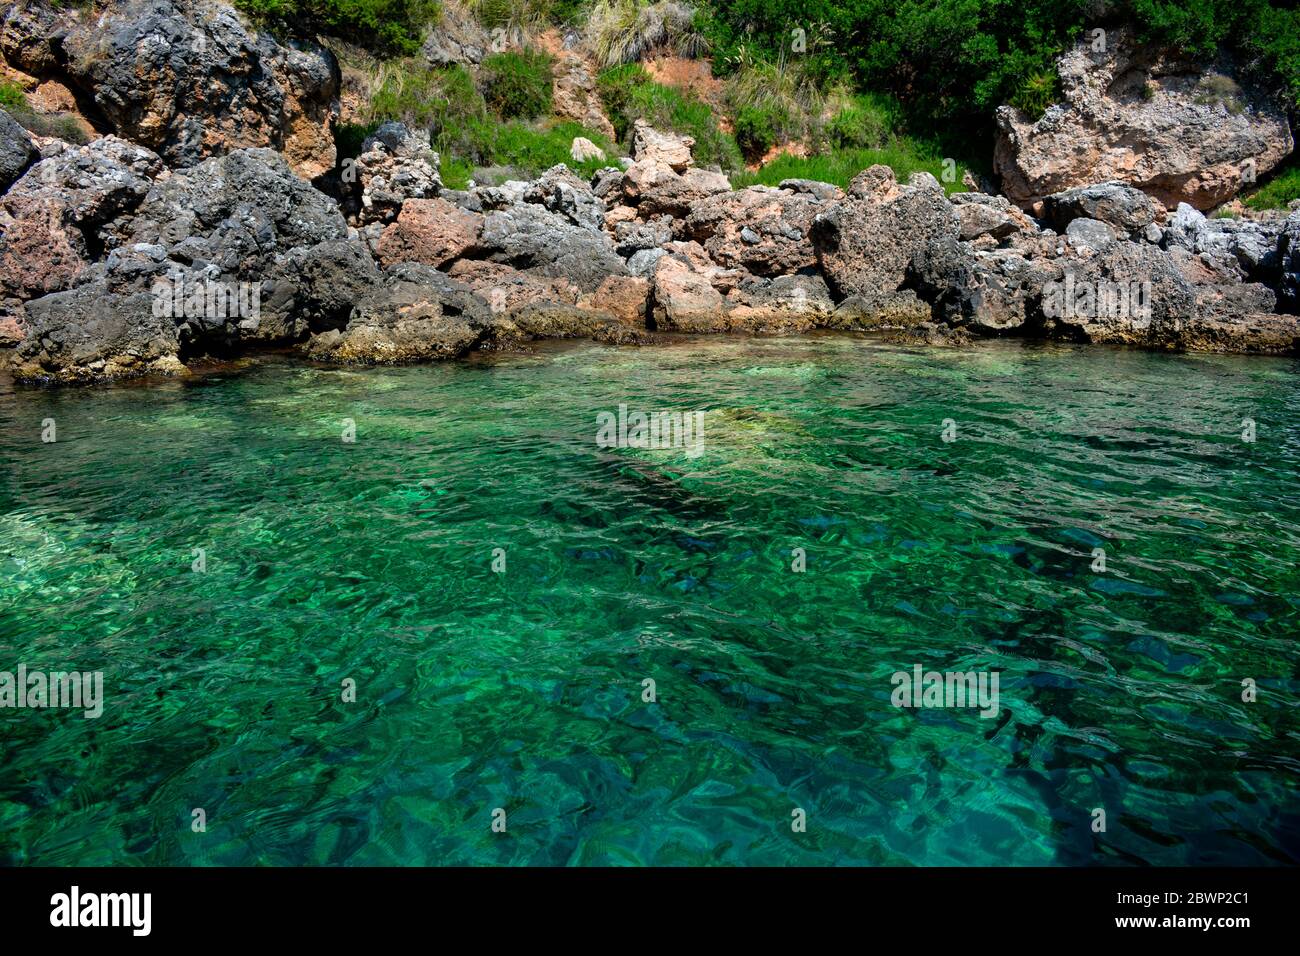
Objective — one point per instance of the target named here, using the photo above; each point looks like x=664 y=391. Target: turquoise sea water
x=372 y=561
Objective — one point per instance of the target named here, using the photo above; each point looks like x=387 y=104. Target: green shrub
x=533 y=149
x=757 y=129
x=386 y=26
x=629 y=94
x=455 y=173
x=517 y=84
x=864 y=122
x=1037 y=93
x=421 y=96
x=12 y=96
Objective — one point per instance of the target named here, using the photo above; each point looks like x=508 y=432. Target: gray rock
x=1089 y=234
x=529 y=236
x=1124 y=208
x=188 y=79
x=865 y=243
x=16 y=151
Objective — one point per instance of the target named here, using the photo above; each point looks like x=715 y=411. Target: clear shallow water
x=372 y=561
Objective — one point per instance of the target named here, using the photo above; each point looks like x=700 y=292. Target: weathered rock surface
x=1179 y=131
x=52 y=220
x=530 y=236
x=186 y=78
x=416 y=314
x=865 y=243
x=1126 y=209
x=761 y=229
x=396 y=164
x=431 y=231
x=16 y=151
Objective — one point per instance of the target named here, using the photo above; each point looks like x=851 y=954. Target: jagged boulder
x=1126 y=209
x=396 y=164
x=53 y=220
x=649 y=145
x=1180 y=130
x=760 y=229
x=415 y=314
x=432 y=231
x=187 y=79
x=655 y=188
x=989 y=291
x=865 y=243
x=1129 y=293
x=530 y=236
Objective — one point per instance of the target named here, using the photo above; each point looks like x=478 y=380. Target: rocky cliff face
x=1179 y=131
x=185 y=78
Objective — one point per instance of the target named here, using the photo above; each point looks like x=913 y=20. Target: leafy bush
x=517 y=84
x=864 y=122
x=758 y=129
x=387 y=26
x=629 y=94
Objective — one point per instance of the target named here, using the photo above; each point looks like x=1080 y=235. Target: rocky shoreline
x=182 y=236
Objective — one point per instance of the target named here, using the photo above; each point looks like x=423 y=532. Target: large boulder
x=655 y=188
x=1130 y=293
x=54 y=220
x=1125 y=208
x=187 y=79
x=93 y=333
x=432 y=231
x=1289 y=264
x=1181 y=131
x=236 y=212
x=866 y=242
x=415 y=314
x=761 y=229
x=989 y=291
x=530 y=236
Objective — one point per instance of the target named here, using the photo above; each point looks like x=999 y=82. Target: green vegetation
x=1281 y=188
x=386 y=26
x=629 y=94
x=517 y=84
x=64 y=126
x=915 y=80
x=841 y=165
x=462 y=127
